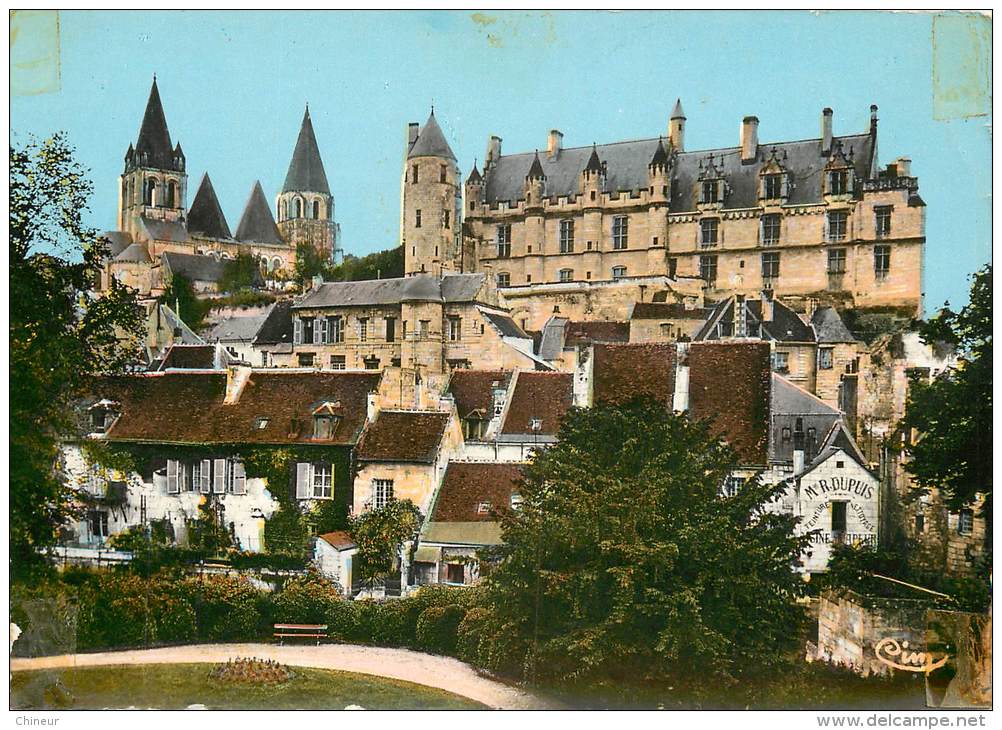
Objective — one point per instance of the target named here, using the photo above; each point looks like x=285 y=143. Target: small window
x=881 y=261
x=772 y=187
x=836 y=261
x=443 y=174
x=516 y=501
x=324 y=426
x=838 y=182
x=709 y=229
x=666 y=330
x=708 y=269
x=838 y=223
x=323 y=480
x=770 y=229
x=414 y=173
x=566 y=236
x=417 y=218
x=455 y=329
x=305 y=359
x=883 y=220
x=423 y=327
x=781 y=362
x=965 y=522
x=710 y=191
x=504 y=240
x=825 y=358
x=840 y=465
x=371 y=363
x=316 y=210
x=504 y=280
x=260 y=423
x=787 y=434
x=770 y=265
x=337 y=362
x=618 y=272
x=838 y=518
x=391 y=329
x=382 y=492
x=620 y=232
x=565 y=275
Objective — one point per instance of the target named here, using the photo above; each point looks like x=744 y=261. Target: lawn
x=176 y=686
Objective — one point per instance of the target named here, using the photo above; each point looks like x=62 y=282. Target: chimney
x=904 y=166
x=749 y=139
x=412 y=132
x=553 y=144
x=873 y=119
x=768 y=306
x=372 y=406
x=740 y=316
x=236 y=377
x=680 y=398
x=493 y=152
x=826 y=130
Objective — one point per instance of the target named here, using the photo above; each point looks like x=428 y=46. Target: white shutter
x=204 y=483
x=172 y=472
x=784 y=186
x=239 y=478
x=206 y=476
x=297 y=331
x=302 y=480
x=324 y=333
x=316 y=330
x=219 y=476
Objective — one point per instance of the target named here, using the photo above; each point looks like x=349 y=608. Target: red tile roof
x=468 y=485
x=473 y=390
x=543 y=395
x=622 y=372
x=339 y=540
x=729 y=389
x=403 y=436
x=188 y=407
x=583 y=333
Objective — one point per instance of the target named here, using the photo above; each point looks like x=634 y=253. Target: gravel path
x=443 y=673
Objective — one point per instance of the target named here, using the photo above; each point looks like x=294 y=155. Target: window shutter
x=239 y=478
x=219 y=476
x=316 y=330
x=297 y=331
x=324 y=330
x=204 y=484
x=302 y=480
x=784 y=186
x=206 y=475
x=172 y=476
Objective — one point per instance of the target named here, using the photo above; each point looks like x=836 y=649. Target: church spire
x=154 y=148
x=257 y=225
x=306 y=169
x=205 y=216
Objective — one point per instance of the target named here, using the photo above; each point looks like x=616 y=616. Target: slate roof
x=190 y=357
x=180 y=407
x=472 y=390
x=729 y=389
x=118 y=241
x=403 y=436
x=789 y=399
x=193 y=266
x=159 y=230
x=583 y=333
x=237 y=329
x=664 y=310
x=257 y=223
x=505 y=324
x=829 y=327
x=468 y=484
x=785 y=325
x=174 y=323
x=425 y=287
x=551 y=342
x=277 y=326
x=431 y=142
x=543 y=395
x=306 y=169
x=205 y=216
x=134 y=253
x=626 y=164
x=638 y=370
x=153 y=147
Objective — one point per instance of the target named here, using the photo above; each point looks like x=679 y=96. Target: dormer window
x=772 y=187
x=260 y=423
x=325 y=421
x=711 y=192
x=102 y=416
x=484 y=508
x=838 y=182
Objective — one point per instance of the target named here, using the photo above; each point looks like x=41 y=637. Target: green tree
x=624 y=565
x=286 y=531
x=180 y=296
x=953 y=413
x=62 y=335
x=379 y=265
x=242 y=272
x=379 y=533
x=310 y=263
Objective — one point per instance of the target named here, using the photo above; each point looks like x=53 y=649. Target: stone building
x=153 y=217
x=817 y=217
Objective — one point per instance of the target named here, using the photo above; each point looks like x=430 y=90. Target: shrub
x=312 y=599
x=433 y=595
x=436 y=628
x=381 y=623
x=228 y=608
x=468 y=635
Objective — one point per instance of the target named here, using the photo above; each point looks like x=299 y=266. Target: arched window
x=277 y=264
x=150 y=192
x=316 y=209
x=299 y=207
x=283 y=210
x=172 y=194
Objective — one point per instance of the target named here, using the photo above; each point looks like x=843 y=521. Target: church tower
x=431 y=210
x=154 y=184
x=305 y=205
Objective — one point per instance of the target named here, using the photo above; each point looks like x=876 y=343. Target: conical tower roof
x=306 y=170
x=475 y=176
x=660 y=155
x=431 y=142
x=676 y=112
x=594 y=164
x=153 y=148
x=536 y=169
x=205 y=217
x=257 y=224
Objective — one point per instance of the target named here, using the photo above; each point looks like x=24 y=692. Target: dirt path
x=443 y=673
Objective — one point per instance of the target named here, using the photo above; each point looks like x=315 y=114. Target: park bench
x=302 y=631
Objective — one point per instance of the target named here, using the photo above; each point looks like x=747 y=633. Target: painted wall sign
x=899 y=656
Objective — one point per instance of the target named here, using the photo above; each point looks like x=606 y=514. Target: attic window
x=102 y=416
x=483 y=508
x=840 y=465
x=324 y=426
x=260 y=423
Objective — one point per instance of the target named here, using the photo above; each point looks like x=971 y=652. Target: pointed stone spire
x=660 y=158
x=431 y=142
x=475 y=176
x=594 y=164
x=676 y=112
x=205 y=217
x=257 y=224
x=536 y=170
x=306 y=170
x=154 y=148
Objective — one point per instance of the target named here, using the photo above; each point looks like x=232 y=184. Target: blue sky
x=234 y=85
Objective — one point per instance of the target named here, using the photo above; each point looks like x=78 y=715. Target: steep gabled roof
x=194 y=266
x=829 y=327
x=153 y=148
x=190 y=357
x=205 y=216
x=473 y=390
x=539 y=395
x=403 y=436
x=257 y=223
x=431 y=142
x=306 y=169
x=660 y=156
x=277 y=326
x=635 y=370
x=594 y=163
x=785 y=325
x=536 y=169
x=467 y=485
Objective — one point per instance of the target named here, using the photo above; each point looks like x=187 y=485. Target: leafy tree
x=286 y=531
x=310 y=263
x=180 y=296
x=240 y=273
x=379 y=534
x=328 y=516
x=624 y=565
x=207 y=533
x=62 y=335
x=379 y=265
x=953 y=413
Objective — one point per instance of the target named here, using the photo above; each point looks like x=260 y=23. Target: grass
x=176 y=686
